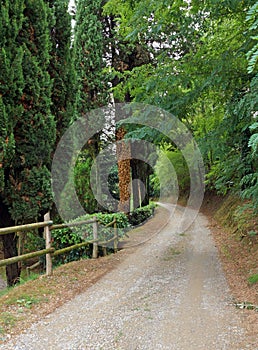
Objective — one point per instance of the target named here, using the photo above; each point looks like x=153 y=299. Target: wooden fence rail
x=24 y=257
x=51 y=252
x=13 y=229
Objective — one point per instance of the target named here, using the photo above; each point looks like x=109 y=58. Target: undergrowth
x=241 y=222
x=240 y=218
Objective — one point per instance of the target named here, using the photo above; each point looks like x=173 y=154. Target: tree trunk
x=144 y=180
x=10 y=247
x=145 y=177
x=140 y=178
x=140 y=175
x=124 y=170
x=136 y=184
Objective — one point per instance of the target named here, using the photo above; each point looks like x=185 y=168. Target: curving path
x=169 y=293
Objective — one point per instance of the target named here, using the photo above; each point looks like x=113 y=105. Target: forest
x=59 y=61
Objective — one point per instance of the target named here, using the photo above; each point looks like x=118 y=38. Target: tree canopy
x=204 y=71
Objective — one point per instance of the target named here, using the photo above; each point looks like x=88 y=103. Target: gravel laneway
x=170 y=293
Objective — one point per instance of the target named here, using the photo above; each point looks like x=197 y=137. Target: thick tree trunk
x=9 y=246
x=140 y=175
x=124 y=171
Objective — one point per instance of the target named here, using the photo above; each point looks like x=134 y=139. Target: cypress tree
x=61 y=68
x=34 y=128
x=91 y=84
x=11 y=85
x=29 y=134
x=62 y=73
x=89 y=54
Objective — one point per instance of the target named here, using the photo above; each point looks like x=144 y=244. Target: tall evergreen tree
x=62 y=73
x=61 y=68
x=26 y=95
x=89 y=57
x=11 y=85
x=91 y=82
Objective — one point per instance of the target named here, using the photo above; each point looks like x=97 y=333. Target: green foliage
x=198 y=62
x=82 y=177
x=34 y=242
x=252 y=54
x=171 y=158
x=34 y=194
x=223 y=175
x=91 y=80
x=199 y=71
x=139 y=215
x=88 y=57
x=27 y=301
x=61 y=68
x=253 y=279
x=250 y=182
x=28 y=90
x=63 y=238
x=105 y=219
x=3 y=142
x=11 y=81
x=70 y=236
x=253 y=142
x=154 y=186
x=26 y=98
x=252 y=233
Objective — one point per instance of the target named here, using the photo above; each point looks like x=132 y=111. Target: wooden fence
x=50 y=251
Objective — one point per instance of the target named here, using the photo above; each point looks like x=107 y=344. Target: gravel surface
x=169 y=293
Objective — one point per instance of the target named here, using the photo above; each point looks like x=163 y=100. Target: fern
x=252 y=55
x=253 y=142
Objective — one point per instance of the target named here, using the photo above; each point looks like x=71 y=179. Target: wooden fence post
x=95 y=237
x=115 y=236
x=20 y=246
x=47 y=235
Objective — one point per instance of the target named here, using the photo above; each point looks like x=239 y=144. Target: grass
x=23 y=279
x=16 y=301
x=24 y=300
x=253 y=279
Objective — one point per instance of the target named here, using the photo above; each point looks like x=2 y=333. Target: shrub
x=69 y=236
x=139 y=215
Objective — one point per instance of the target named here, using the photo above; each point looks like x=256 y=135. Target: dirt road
x=169 y=293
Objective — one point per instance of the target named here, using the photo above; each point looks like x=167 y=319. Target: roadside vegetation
x=234 y=227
